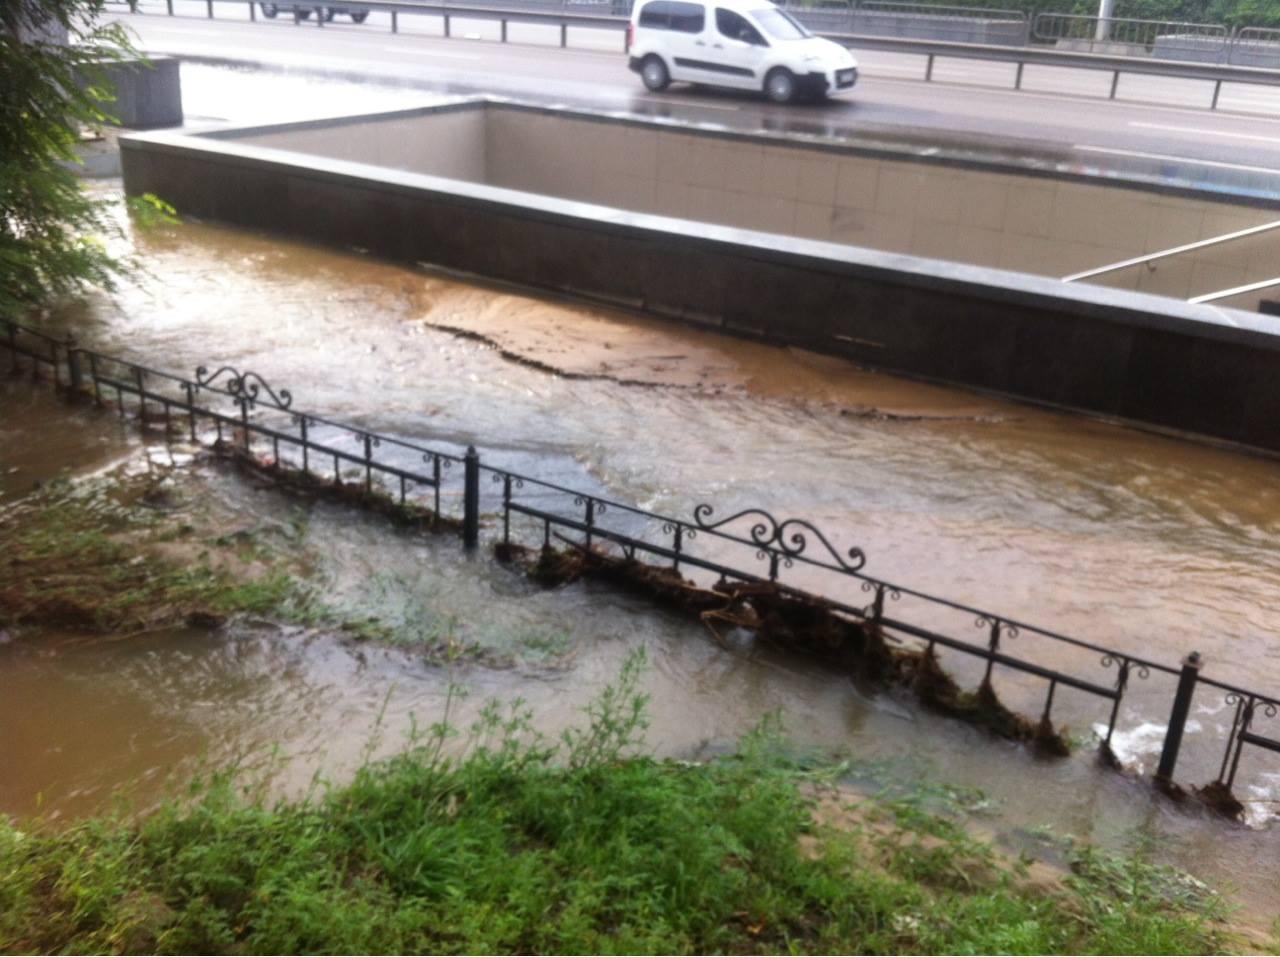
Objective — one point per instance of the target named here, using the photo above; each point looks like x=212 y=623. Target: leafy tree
x=1244 y=13
x=51 y=232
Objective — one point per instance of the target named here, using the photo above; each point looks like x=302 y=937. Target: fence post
x=1178 y=717
x=471 y=498
x=73 y=367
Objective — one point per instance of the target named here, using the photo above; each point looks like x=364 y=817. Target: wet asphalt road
x=1157 y=121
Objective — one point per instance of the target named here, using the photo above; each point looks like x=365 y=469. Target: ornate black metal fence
x=747 y=546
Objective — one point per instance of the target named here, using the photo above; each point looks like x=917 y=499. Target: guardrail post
x=253 y=12
x=446 y=25
x=169 y=4
x=928 y=69
x=209 y=6
x=471 y=498
x=1217 y=92
x=1178 y=717
x=1017 y=77
x=395 y=22
x=1115 y=84
x=503 y=21
x=564 y=34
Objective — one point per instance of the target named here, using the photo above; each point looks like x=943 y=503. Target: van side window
x=656 y=15
x=688 y=17
x=737 y=27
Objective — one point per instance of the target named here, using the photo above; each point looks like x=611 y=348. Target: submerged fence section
x=231 y=409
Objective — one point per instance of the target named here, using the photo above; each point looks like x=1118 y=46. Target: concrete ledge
x=1154 y=361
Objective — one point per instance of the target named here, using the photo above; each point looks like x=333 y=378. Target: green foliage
x=516 y=845
x=52 y=235
x=1243 y=13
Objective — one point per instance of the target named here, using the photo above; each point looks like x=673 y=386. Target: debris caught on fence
x=801 y=624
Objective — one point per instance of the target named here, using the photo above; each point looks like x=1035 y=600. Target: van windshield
x=780 y=25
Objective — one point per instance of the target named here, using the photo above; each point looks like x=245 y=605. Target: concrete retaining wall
x=1153 y=361
x=973 y=214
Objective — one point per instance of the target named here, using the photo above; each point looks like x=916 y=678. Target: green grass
x=516 y=843
x=86 y=555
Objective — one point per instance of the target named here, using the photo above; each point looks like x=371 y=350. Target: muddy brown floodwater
x=1147 y=544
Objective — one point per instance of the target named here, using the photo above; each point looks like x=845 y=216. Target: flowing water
x=1151 y=545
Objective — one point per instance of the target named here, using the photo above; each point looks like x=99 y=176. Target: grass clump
x=513 y=843
x=116 y=554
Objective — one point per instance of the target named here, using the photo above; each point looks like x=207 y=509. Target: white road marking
x=1176 y=159
x=1203 y=132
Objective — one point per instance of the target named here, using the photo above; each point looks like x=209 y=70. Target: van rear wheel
x=654 y=74
x=780 y=85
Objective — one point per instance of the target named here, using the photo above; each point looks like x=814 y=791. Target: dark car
x=270 y=10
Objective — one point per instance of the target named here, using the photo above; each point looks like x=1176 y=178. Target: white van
x=743 y=44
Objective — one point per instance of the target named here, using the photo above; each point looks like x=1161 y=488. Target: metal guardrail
x=562 y=13
x=930 y=50
x=1117 y=66
x=923 y=21
x=1257 y=36
x=748 y=546
x=1143 y=37
x=1255 y=46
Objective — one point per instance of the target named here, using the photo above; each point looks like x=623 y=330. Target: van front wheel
x=654 y=74
x=780 y=85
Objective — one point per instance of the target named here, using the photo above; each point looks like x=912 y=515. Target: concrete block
x=148 y=96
